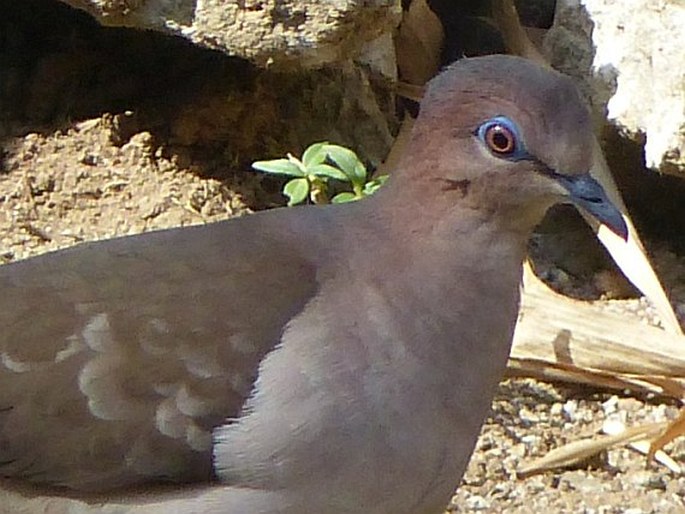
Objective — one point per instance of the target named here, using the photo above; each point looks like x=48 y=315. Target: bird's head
x=509 y=137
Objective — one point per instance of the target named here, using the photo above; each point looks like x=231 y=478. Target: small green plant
x=321 y=162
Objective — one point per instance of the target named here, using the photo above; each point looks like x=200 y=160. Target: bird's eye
x=501 y=136
x=500 y=139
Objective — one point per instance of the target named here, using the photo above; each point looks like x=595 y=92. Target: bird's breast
x=370 y=387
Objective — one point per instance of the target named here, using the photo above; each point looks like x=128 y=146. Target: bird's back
x=118 y=358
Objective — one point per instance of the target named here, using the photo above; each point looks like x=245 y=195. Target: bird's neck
x=446 y=295
x=452 y=263
x=451 y=259
x=445 y=222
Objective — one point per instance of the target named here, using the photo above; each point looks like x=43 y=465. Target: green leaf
x=279 y=167
x=344 y=197
x=359 y=173
x=297 y=162
x=296 y=190
x=373 y=185
x=315 y=154
x=347 y=161
x=326 y=170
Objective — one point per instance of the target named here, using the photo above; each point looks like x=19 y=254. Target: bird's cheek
x=548 y=189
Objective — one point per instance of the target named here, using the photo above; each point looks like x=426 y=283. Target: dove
x=331 y=359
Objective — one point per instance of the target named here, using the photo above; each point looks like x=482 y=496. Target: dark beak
x=588 y=194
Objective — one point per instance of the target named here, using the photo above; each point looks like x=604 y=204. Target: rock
x=477 y=503
x=629 y=55
x=266 y=32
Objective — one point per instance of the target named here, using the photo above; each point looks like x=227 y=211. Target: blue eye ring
x=502 y=138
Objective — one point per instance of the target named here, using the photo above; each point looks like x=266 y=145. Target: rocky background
x=120 y=116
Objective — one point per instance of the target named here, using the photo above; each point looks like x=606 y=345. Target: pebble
x=477 y=502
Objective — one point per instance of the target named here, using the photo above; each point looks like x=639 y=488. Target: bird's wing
x=118 y=358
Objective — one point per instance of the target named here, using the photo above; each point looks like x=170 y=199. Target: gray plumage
x=329 y=360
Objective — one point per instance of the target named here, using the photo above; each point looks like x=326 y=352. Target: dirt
x=78 y=185
x=530 y=418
